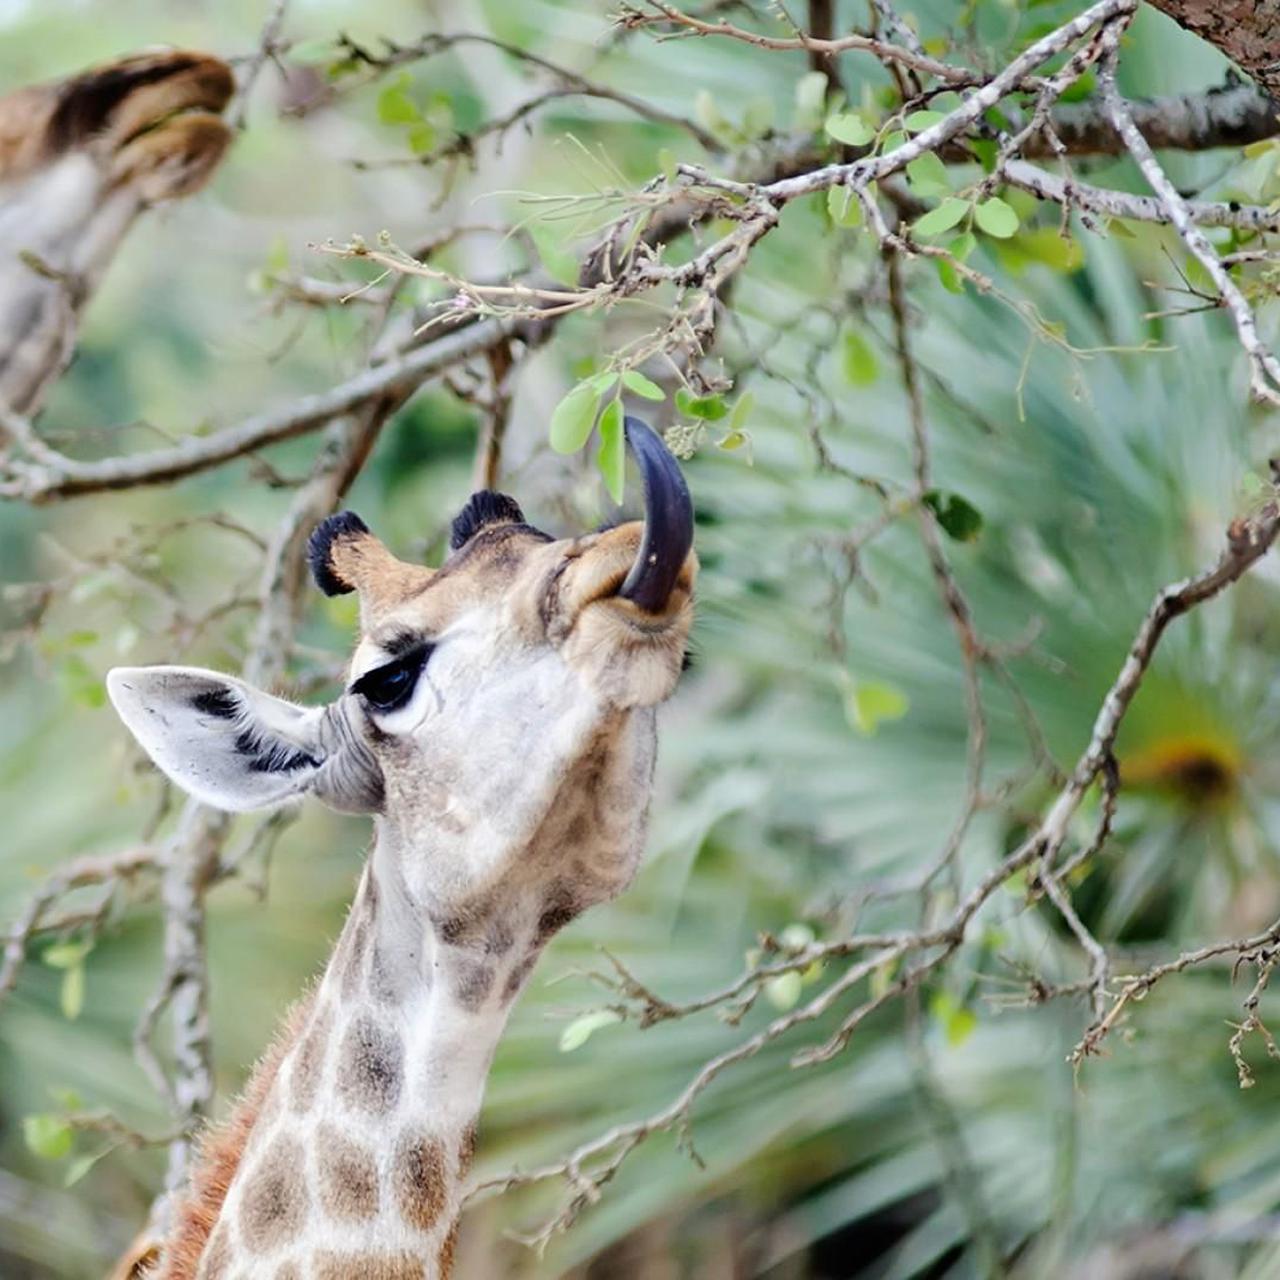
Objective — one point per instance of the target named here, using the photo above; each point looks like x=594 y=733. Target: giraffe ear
x=221 y=740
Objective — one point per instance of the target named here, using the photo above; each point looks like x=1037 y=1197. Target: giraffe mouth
x=668 y=521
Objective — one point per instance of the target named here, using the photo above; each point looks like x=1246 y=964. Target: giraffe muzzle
x=668 y=520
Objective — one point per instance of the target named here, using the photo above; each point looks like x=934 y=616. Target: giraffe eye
x=389 y=688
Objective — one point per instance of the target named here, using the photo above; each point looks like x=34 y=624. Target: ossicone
x=325 y=546
x=483 y=508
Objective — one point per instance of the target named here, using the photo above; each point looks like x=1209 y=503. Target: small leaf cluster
x=51 y=1135
x=426 y=122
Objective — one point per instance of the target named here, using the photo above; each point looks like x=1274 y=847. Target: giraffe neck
x=356 y=1162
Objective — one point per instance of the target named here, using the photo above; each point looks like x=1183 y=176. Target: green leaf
x=710 y=408
x=394 y=104
x=882 y=979
x=1049 y=246
x=742 y=410
x=797 y=935
x=858 y=359
x=996 y=218
x=868 y=704
x=71 y=994
x=561 y=265
x=963 y=245
x=919 y=121
x=612 y=458
x=1081 y=89
x=667 y=163
x=65 y=955
x=80 y=682
x=927 y=175
x=47 y=1135
x=941 y=219
x=986 y=151
x=574 y=416
x=639 y=385
x=81 y=1165
x=784 y=991
x=952 y=280
x=958 y=516
x=844 y=208
x=422 y=139
x=963 y=1023
x=733 y=440
x=957 y=1021
x=850 y=128
x=581 y=1029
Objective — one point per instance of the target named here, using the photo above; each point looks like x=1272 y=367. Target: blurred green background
x=1100 y=474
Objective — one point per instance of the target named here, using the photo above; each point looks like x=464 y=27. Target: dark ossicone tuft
x=485 y=507
x=346 y=524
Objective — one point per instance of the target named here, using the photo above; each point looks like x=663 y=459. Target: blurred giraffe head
x=498 y=714
x=153 y=119
x=80 y=159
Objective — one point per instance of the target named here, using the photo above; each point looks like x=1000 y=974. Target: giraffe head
x=151 y=118
x=498 y=715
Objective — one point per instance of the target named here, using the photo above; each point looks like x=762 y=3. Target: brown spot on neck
x=370 y=1067
x=418 y=1178
x=348 y=1176
x=218 y=1161
x=467 y=1149
x=274 y=1203
x=472 y=982
x=447 y=1250
x=367 y=1266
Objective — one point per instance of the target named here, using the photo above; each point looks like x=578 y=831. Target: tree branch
x=1231 y=116
x=1265 y=369
x=52 y=475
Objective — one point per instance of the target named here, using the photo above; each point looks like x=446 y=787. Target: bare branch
x=1070 y=193
x=111 y=870
x=1265 y=376
x=54 y=476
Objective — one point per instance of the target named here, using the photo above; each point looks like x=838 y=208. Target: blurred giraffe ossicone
x=80 y=159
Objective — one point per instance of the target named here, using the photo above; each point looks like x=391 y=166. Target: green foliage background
x=1099 y=475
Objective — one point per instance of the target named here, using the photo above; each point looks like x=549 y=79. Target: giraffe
x=498 y=722
x=80 y=159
